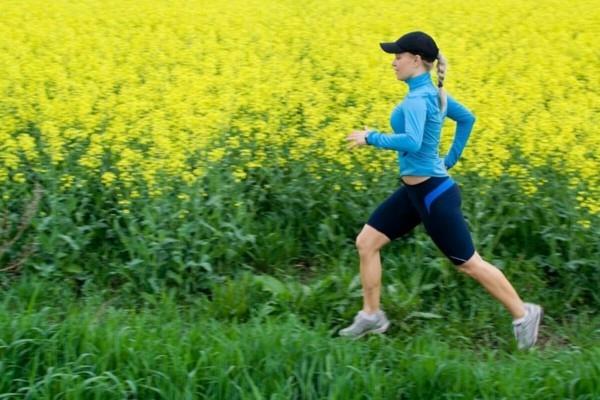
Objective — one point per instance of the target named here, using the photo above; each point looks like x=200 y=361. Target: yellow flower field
x=158 y=83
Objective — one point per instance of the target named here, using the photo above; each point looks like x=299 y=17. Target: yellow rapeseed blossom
x=108 y=178
x=585 y=223
x=27 y=145
x=215 y=155
x=358 y=185
x=239 y=174
x=183 y=197
x=19 y=177
x=149 y=86
x=66 y=181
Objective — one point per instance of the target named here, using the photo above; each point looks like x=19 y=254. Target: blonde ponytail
x=442 y=65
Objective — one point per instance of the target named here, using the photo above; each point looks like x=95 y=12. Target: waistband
x=430 y=184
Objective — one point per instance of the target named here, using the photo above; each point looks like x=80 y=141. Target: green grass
x=244 y=296
x=55 y=345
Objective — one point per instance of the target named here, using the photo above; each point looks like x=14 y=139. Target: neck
x=416 y=81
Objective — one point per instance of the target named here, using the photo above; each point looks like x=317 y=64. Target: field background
x=179 y=207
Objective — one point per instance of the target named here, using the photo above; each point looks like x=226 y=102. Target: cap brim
x=391 y=47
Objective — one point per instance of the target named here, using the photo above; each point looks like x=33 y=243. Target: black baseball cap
x=415 y=42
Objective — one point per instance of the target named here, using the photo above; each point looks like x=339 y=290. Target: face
x=405 y=65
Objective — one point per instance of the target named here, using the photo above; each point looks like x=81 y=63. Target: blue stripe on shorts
x=434 y=194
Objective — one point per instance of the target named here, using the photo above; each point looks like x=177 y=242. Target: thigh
x=396 y=216
x=444 y=222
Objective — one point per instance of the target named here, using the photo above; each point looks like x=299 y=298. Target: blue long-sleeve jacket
x=417 y=124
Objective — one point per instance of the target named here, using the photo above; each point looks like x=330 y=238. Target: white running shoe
x=363 y=325
x=526 y=328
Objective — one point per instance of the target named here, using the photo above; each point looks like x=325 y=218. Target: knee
x=370 y=240
x=364 y=245
x=472 y=265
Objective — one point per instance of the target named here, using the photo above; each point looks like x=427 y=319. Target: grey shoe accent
x=526 y=331
x=361 y=326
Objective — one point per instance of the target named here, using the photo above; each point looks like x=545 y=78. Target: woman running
x=427 y=193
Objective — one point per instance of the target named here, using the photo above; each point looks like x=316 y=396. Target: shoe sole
x=377 y=330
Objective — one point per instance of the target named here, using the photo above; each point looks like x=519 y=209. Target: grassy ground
x=104 y=346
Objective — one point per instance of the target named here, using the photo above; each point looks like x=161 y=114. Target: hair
x=442 y=65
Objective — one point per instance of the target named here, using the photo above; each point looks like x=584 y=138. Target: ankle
x=370 y=311
x=519 y=319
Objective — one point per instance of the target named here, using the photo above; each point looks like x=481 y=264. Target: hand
x=357 y=138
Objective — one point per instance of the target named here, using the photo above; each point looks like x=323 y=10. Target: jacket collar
x=419 y=80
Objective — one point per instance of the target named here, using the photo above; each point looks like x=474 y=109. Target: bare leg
x=495 y=283
x=370 y=275
x=368 y=243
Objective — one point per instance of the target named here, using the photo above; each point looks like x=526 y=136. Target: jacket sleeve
x=415 y=113
x=464 y=125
